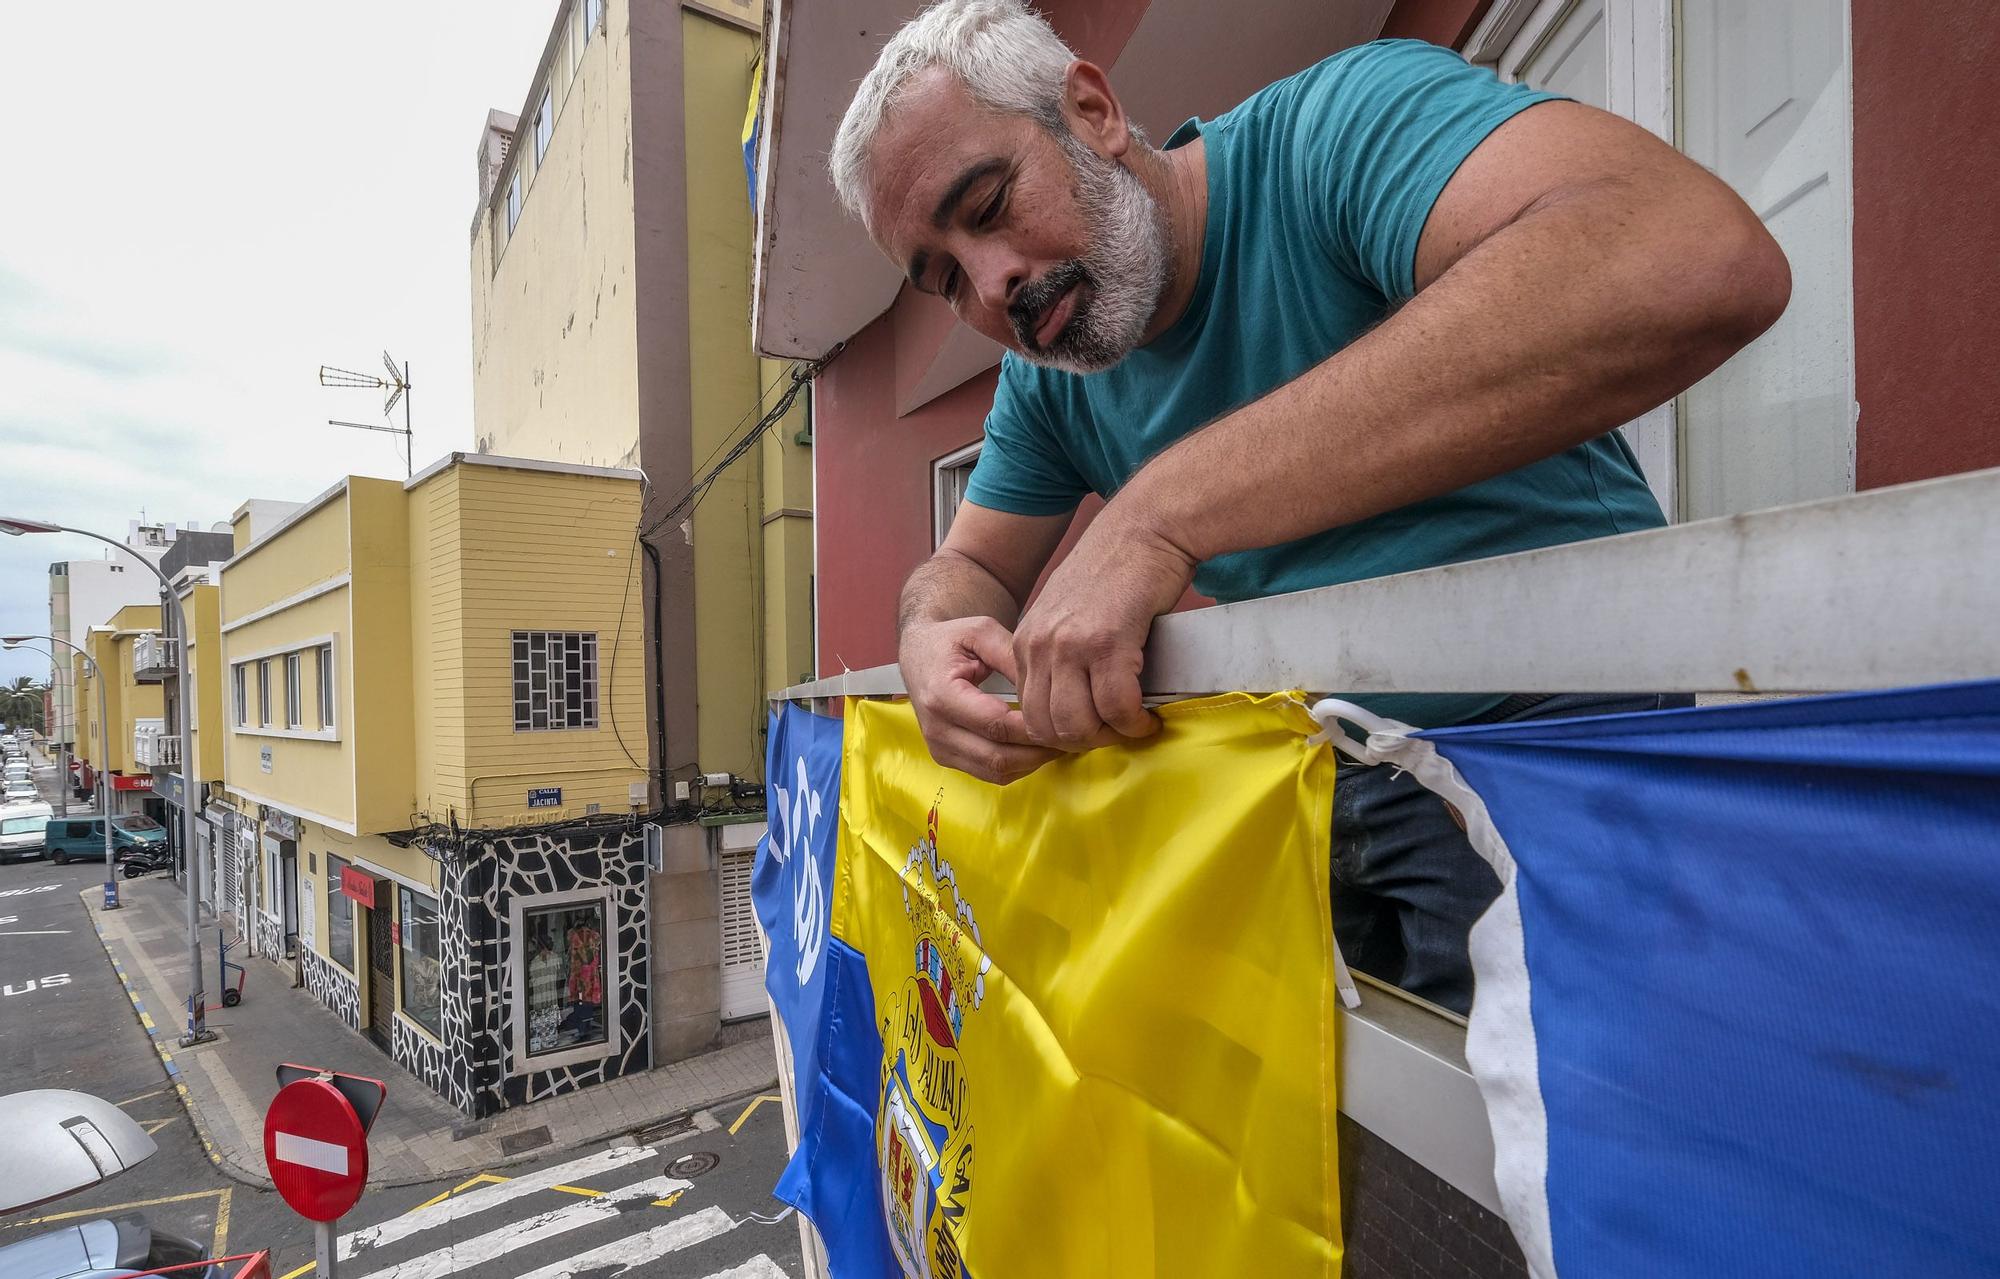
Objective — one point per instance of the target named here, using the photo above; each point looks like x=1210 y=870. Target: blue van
x=81 y=839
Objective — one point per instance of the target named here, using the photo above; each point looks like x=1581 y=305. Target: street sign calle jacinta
x=316 y=1140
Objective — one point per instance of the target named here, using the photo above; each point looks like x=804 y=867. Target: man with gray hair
x=1385 y=314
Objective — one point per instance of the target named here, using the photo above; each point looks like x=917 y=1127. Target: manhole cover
x=693 y=1165
x=516 y=1142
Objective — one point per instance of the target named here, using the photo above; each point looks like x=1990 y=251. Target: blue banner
x=819 y=986
x=1738 y=1007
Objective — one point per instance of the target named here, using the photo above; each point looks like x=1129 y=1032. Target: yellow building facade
x=610 y=266
x=107 y=745
x=433 y=694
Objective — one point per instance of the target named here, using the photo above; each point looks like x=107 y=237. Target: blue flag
x=1738 y=1005
x=819 y=986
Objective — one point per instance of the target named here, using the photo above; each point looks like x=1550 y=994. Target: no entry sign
x=316 y=1149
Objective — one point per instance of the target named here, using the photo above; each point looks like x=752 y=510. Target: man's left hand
x=1080 y=645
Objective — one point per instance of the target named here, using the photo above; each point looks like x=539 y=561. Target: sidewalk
x=226 y=1085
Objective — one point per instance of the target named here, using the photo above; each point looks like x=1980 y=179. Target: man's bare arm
x=986 y=568
x=1575 y=273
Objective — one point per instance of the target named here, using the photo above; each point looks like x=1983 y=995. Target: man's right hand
x=975 y=732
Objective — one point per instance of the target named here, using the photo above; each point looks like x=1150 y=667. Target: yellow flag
x=1105 y=997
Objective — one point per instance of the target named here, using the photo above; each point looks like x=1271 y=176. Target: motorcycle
x=134 y=862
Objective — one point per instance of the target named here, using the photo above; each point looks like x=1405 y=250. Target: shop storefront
x=132 y=794
x=274 y=914
x=499 y=967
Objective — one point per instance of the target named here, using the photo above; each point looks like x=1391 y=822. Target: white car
x=24 y=830
x=22 y=792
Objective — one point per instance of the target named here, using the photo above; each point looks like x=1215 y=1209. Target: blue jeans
x=1407 y=885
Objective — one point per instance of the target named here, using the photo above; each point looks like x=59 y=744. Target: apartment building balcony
x=1895 y=587
x=155 y=658
x=153 y=746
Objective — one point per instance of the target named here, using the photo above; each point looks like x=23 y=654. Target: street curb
x=224 y=1165
x=229 y=1168
x=574 y=1143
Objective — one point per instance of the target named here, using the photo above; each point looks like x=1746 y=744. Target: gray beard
x=1122 y=275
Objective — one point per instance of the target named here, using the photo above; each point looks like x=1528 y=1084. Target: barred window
x=555 y=679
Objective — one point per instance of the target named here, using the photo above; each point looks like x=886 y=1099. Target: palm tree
x=21 y=704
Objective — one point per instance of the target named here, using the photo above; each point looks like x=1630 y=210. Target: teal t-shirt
x=1318 y=189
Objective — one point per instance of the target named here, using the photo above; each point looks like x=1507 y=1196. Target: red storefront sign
x=131 y=781
x=358 y=885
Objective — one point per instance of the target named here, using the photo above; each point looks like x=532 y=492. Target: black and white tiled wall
x=269 y=934
x=473 y=1066
x=338 y=990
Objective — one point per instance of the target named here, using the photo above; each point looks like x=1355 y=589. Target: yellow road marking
x=306 y=1269
x=670 y=1200
x=154 y=1125
x=222 y=1224
x=440 y=1198
x=141 y=1097
x=749 y=1110
x=142 y=1203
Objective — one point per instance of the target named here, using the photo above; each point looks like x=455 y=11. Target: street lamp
x=11 y=642
x=57 y=674
x=197 y=1023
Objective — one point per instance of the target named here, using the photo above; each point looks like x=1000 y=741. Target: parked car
x=103 y=1249
x=19 y=793
x=24 y=831
x=82 y=838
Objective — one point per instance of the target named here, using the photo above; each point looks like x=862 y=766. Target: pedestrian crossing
x=617 y=1212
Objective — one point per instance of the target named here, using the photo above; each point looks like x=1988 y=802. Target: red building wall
x=1926 y=239
x=879 y=528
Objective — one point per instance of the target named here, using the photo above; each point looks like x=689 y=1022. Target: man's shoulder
x=1376 y=67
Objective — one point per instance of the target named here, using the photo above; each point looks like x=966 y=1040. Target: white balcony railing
x=1889 y=588
x=154 y=658
x=153 y=746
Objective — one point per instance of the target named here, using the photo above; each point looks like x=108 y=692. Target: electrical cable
x=755 y=406
x=803 y=373
x=618 y=635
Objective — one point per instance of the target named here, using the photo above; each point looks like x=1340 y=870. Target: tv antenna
x=397 y=384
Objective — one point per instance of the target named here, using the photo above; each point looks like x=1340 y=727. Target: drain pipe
x=659 y=669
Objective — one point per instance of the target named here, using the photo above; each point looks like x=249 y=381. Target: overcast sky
x=204 y=203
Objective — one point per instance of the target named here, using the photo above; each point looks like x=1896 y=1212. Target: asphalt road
x=691 y=1205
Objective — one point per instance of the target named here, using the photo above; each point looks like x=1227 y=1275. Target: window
x=339 y=916
x=555 y=680
x=563 y=976
x=593 y=18
x=1765 y=105
x=949 y=476
x=513 y=200
x=545 y=127
x=242 y=679
x=295 y=693
x=423 y=962
x=323 y=658
x=264 y=693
